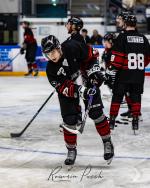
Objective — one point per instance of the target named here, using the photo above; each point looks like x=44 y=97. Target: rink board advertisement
x=5 y=57
x=10 y=62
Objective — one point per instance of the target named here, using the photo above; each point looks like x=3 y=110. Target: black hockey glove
x=85 y=92
x=22 y=51
x=96 y=77
x=110 y=77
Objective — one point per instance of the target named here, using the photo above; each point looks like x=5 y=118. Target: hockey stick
x=86 y=112
x=10 y=62
x=13 y=135
x=121 y=122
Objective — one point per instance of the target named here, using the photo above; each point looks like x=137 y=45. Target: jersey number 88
x=136 y=61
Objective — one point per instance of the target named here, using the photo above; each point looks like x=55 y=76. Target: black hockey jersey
x=130 y=55
x=77 y=37
x=75 y=59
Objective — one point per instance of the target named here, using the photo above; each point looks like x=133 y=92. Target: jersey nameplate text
x=135 y=39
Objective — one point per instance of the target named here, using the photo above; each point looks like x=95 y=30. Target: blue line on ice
x=58 y=153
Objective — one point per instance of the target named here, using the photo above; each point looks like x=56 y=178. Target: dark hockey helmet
x=76 y=21
x=25 y=22
x=110 y=37
x=123 y=14
x=130 y=20
x=49 y=43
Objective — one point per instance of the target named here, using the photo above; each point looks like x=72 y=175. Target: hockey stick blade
x=121 y=122
x=15 y=135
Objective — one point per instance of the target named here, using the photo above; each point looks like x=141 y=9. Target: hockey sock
x=114 y=109
x=136 y=109
x=70 y=139
x=103 y=128
x=34 y=65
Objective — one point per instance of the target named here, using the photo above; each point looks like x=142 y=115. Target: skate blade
x=36 y=76
x=28 y=77
x=109 y=161
x=68 y=167
x=135 y=132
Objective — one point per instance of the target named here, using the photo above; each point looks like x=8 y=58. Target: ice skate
x=127 y=116
x=108 y=151
x=36 y=74
x=28 y=74
x=71 y=157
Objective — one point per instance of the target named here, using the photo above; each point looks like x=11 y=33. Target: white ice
x=27 y=162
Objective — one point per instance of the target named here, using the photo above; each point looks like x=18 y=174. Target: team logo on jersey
x=65 y=63
x=61 y=71
x=135 y=39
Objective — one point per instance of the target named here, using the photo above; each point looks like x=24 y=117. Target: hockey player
x=30 y=46
x=64 y=63
x=74 y=25
x=108 y=42
x=130 y=55
x=120 y=23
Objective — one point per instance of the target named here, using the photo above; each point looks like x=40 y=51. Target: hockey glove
x=96 y=77
x=85 y=92
x=22 y=51
x=68 y=89
x=110 y=77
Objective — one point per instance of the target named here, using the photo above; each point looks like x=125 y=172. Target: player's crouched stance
x=64 y=63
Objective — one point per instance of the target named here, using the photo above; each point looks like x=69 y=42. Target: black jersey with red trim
x=29 y=37
x=130 y=55
x=75 y=59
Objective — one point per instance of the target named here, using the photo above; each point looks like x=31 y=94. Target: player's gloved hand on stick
x=96 y=77
x=21 y=51
x=110 y=77
x=85 y=92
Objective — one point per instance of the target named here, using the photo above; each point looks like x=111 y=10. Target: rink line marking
x=82 y=155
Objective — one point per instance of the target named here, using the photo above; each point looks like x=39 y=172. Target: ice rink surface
x=28 y=162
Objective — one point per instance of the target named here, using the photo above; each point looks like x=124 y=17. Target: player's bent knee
x=71 y=119
x=117 y=98
x=135 y=97
x=97 y=115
